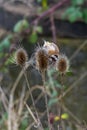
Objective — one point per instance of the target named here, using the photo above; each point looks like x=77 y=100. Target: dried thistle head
x=62 y=64
x=41 y=59
x=21 y=56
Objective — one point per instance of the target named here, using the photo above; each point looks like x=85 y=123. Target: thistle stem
x=46 y=101
x=61 y=101
x=38 y=119
x=31 y=113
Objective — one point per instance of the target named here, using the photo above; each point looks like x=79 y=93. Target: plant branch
x=31 y=113
x=53 y=29
x=38 y=119
x=73 y=85
x=49 y=11
x=46 y=101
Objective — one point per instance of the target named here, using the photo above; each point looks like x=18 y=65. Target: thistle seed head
x=62 y=64
x=41 y=59
x=21 y=57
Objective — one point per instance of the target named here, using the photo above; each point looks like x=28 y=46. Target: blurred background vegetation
x=27 y=23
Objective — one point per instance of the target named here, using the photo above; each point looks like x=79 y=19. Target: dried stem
x=73 y=85
x=71 y=114
x=46 y=101
x=4 y=99
x=38 y=119
x=53 y=28
x=61 y=101
x=77 y=51
x=10 y=112
x=20 y=75
x=31 y=113
x=21 y=105
x=49 y=11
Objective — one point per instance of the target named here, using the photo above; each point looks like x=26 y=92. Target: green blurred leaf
x=1 y=54
x=1 y=48
x=44 y=4
x=52 y=101
x=4 y=69
x=33 y=37
x=5 y=43
x=46 y=129
x=77 y=2
x=39 y=1
x=11 y=59
x=85 y=15
x=24 y=124
x=69 y=11
x=39 y=29
x=56 y=84
x=69 y=73
x=8 y=61
x=4 y=117
x=51 y=71
x=21 y=25
x=54 y=94
x=73 y=13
